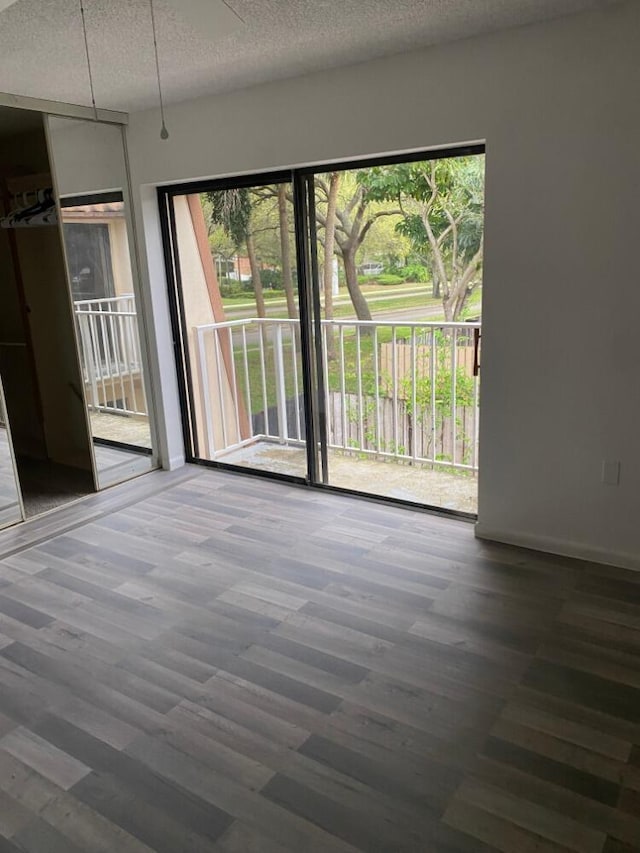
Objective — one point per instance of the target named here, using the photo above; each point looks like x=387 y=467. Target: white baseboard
x=562 y=547
x=175 y=462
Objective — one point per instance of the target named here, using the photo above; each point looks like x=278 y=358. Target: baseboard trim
x=561 y=547
x=175 y=462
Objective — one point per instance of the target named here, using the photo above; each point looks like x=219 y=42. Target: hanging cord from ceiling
x=88 y=55
x=164 y=133
x=231 y=9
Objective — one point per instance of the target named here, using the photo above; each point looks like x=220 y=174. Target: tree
x=354 y=219
x=272 y=219
x=329 y=247
x=384 y=243
x=232 y=209
x=442 y=205
x=285 y=251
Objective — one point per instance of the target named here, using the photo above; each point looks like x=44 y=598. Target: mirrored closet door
x=41 y=378
x=90 y=176
x=10 y=499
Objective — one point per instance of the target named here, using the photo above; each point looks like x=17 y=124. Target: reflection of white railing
x=403 y=391
x=110 y=354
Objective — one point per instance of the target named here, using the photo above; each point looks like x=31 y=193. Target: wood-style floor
x=204 y=662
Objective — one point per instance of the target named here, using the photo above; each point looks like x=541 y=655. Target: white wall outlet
x=610 y=472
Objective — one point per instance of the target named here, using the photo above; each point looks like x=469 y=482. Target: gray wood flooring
x=198 y=661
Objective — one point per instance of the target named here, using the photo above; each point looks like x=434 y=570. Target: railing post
x=89 y=364
x=441 y=353
x=110 y=353
x=205 y=392
x=281 y=390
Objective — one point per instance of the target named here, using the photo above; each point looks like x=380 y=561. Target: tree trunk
x=329 y=245
x=285 y=250
x=455 y=302
x=351 y=274
x=449 y=306
x=255 y=276
x=461 y=288
x=435 y=280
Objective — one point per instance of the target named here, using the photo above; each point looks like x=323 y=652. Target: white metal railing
x=397 y=390
x=110 y=354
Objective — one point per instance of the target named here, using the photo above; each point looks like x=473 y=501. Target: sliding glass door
x=397 y=270
x=238 y=307
x=330 y=325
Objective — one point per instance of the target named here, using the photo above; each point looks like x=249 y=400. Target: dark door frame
x=301 y=180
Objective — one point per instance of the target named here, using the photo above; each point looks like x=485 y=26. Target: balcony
x=401 y=403
x=401 y=399
x=112 y=369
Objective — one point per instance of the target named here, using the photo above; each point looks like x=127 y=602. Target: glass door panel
x=398 y=254
x=237 y=294
x=90 y=169
x=10 y=498
x=364 y=378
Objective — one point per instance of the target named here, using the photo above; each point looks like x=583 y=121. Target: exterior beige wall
x=198 y=311
x=120 y=257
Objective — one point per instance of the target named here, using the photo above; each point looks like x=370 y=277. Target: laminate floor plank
x=198 y=662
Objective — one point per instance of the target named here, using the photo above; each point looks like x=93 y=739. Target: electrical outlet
x=610 y=472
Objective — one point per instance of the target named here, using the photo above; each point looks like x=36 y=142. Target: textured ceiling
x=42 y=50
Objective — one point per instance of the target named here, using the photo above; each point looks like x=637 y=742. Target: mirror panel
x=10 y=500
x=89 y=167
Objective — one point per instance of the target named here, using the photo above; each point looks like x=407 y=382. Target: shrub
x=230 y=288
x=389 y=279
x=414 y=272
x=271 y=279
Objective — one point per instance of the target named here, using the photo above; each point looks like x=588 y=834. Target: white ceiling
x=42 y=49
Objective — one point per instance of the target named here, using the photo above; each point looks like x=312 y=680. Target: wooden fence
x=383 y=426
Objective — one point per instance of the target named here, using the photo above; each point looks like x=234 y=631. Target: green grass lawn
x=358 y=359
x=393 y=301
x=349 y=343
x=350 y=346
x=418 y=301
x=246 y=298
x=369 y=290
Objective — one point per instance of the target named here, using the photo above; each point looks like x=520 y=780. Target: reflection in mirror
x=10 y=505
x=90 y=170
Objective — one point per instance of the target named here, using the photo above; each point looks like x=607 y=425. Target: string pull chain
x=164 y=133
x=89 y=71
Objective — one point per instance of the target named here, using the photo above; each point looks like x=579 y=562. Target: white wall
x=88 y=156
x=558 y=107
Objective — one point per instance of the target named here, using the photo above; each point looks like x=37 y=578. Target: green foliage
x=443 y=392
x=451 y=186
x=271 y=279
x=389 y=279
x=442 y=205
x=231 y=209
x=230 y=287
x=414 y=272
x=393 y=262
